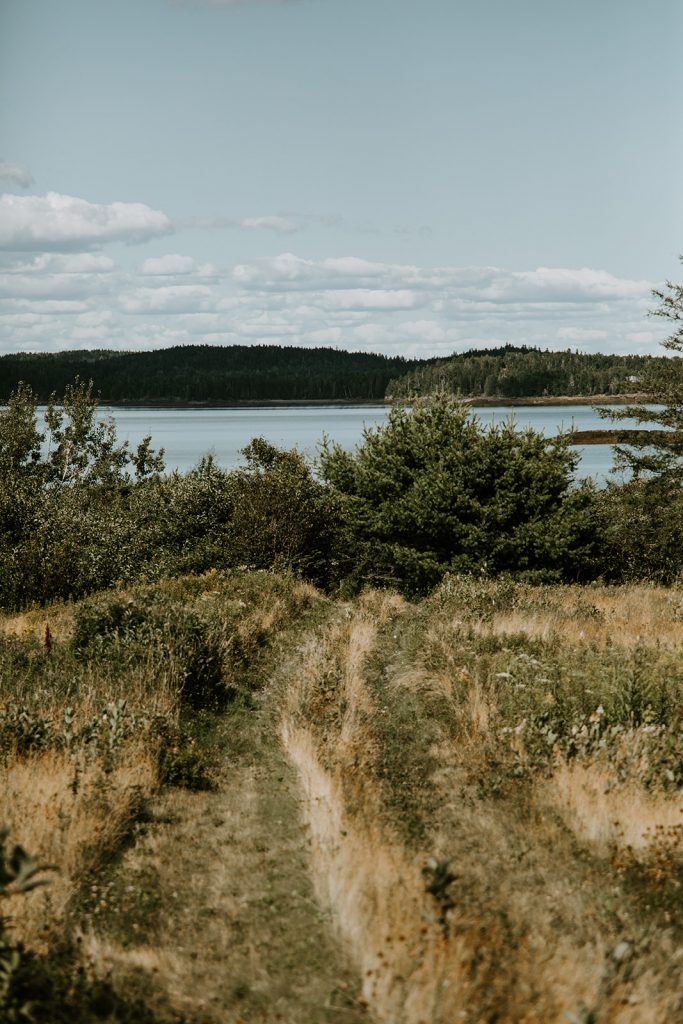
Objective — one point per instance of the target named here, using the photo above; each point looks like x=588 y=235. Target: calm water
x=187 y=434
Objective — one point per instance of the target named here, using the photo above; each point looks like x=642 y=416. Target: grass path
x=231 y=931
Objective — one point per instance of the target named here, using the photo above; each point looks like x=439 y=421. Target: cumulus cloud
x=60 y=222
x=60 y=263
x=167 y=299
x=281 y=224
x=65 y=299
x=173 y=265
x=337 y=272
x=580 y=334
x=367 y=298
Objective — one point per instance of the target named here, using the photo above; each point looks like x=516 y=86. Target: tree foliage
x=209 y=373
x=283 y=515
x=659 y=457
x=511 y=372
x=433 y=491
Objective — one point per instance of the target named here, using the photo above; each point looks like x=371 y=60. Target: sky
x=374 y=175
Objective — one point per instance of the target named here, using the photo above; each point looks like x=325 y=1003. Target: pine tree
x=657 y=455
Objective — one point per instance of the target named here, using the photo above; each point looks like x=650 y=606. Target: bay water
x=188 y=434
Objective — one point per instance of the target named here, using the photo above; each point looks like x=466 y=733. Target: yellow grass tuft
x=601 y=811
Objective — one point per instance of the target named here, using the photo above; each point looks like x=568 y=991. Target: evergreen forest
x=240 y=373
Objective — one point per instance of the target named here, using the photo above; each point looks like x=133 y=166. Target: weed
x=439 y=879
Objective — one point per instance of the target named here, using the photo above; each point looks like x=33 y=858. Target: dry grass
x=617 y=615
x=58 y=619
x=70 y=815
x=520 y=733
x=600 y=811
x=389 y=719
x=236 y=933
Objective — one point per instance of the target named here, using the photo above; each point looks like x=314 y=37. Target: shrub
x=642 y=531
x=283 y=516
x=152 y=623
x=433 y=491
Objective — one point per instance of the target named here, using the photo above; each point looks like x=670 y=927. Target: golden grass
x=238 y=934
x=71 y=816
x=375 y=889
x=530 y=936
x=389 y=712
x=601 y=811
x=57 y=619
x=617 y=615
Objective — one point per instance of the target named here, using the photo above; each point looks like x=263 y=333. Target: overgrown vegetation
x=495 y=774
x=93 y=723
x=433 y=491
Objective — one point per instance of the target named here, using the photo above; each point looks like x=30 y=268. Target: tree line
x=243 y=373
x=207 y=373
x=522 y=372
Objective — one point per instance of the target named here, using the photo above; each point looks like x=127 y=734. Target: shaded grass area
x=231 y=929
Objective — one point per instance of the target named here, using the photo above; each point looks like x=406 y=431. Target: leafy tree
x=643 y=518
x=77 y=445
x=433 y=491
x=657 y=455
x=282 y=514
x=58 y=488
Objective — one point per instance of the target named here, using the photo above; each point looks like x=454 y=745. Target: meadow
x=467 y=807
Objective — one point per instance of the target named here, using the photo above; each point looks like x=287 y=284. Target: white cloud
x=580 y=334
x=54 y=264
x=54 y=300
x=559 y=284
x=366 y=298
x=169 y=299
x=15 y=173
x=55 y=221
x=173 y=265
x=283 y=225
x=336 y=272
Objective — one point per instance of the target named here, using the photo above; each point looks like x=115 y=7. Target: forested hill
x=511 y=372
x=205 y=373
x=253 y=373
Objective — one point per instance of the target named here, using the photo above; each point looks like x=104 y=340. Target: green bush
x=642 y=531
x=434 y=491
x=154 y=625
x=283 y=516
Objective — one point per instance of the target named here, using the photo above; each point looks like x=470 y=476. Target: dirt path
x=211 y=916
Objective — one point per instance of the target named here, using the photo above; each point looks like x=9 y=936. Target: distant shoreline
x=284 y=403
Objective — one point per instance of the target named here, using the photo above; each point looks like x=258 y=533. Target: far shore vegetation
x=237 y=374
x=395 y=738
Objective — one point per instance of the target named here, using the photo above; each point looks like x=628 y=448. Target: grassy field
x=267 y=805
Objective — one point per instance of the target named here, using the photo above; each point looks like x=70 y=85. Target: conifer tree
x=657 y=455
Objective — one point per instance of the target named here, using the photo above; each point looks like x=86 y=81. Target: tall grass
x=535 y=769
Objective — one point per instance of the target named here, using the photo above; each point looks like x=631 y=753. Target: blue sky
x=384 y=175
